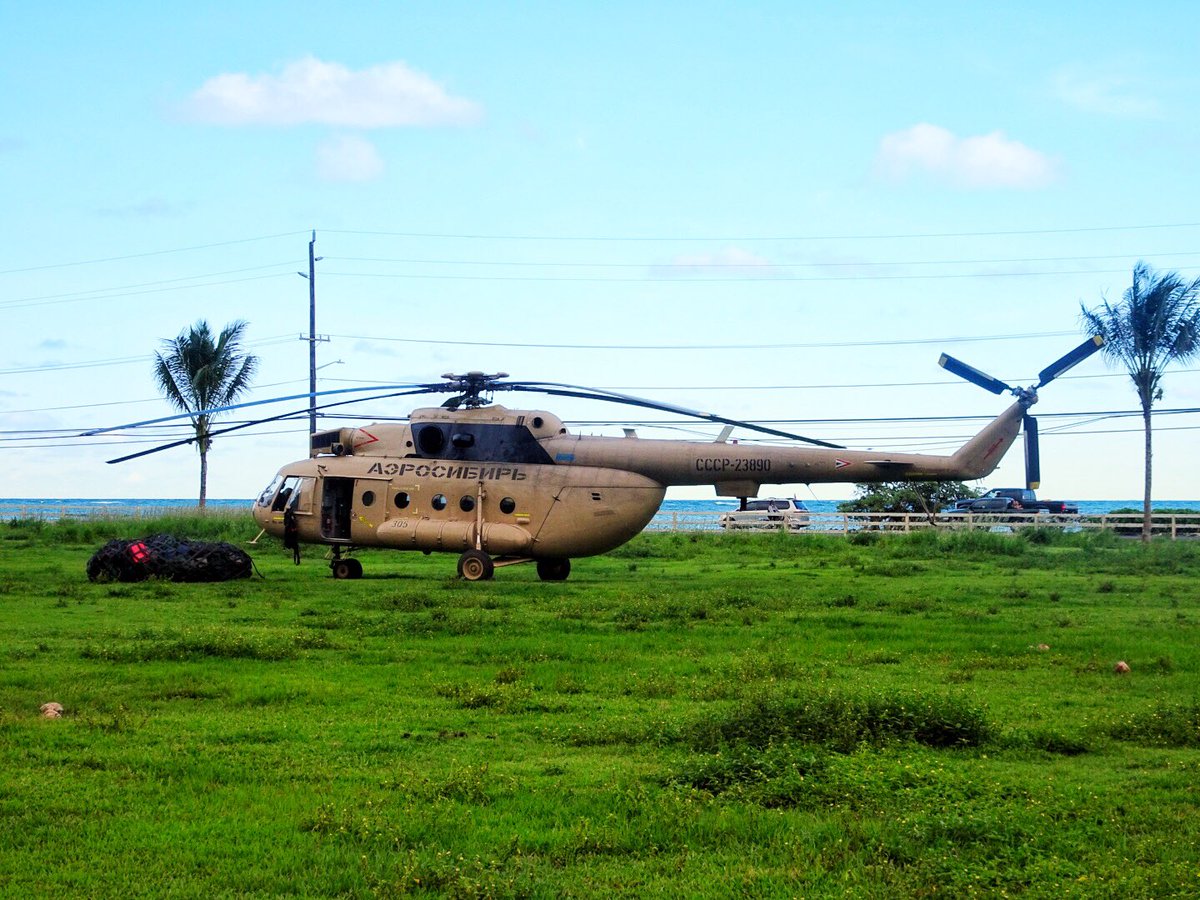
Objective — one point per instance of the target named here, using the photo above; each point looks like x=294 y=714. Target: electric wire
x=706 y=264
x=760 y=279
x=16 y=304
x=166 y=431
x=147 y=253
x=467 y=236
x=109 y=292
x=118 y=361
x=819 y=345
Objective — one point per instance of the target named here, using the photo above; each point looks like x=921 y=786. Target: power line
x=763 y=279
x=165 y=431
x=894 y=342
x=19 y=304
x=104 y=259
x=116 y=361
x=744 y=265
x=811 y=237
x=73 y=296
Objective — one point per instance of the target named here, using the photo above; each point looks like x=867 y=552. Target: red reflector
x=139 y=552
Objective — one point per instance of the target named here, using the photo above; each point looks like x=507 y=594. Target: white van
x=767 y=515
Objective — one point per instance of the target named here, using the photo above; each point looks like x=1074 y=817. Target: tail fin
x=979 y=456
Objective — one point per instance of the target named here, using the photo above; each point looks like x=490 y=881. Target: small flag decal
x=840 y=463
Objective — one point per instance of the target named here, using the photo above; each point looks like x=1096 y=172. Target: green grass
x=692 y=715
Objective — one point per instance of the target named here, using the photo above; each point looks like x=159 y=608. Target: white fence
x=832 y=523
x=1167 y=524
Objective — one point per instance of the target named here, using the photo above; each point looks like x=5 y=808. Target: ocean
x=53 y=508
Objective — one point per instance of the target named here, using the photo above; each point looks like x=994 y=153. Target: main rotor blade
x=586 y=393
x=292 y=414
x=1033 y=462
x=424 y=389
x=972 y=374
x=1070 y=360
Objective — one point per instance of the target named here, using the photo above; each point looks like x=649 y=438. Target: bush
x=845 y=721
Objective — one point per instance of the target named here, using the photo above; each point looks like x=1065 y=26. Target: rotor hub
x=1026 y=396
x=472 y=385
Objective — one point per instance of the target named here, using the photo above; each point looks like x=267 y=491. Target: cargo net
x=168 y=558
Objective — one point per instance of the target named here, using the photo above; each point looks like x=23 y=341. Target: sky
x=769 y=211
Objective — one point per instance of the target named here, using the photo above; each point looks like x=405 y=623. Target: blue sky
x=768 y=211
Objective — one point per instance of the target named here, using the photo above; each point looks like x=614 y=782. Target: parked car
x=767 y=515
x=1017 y=500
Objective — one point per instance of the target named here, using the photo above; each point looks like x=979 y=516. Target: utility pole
x=312 y=335
x=312 y=332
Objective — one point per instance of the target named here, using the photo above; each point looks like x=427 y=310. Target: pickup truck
x=1001 y=500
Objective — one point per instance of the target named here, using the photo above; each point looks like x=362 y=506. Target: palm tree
x=196 y=373
x=1156 y=323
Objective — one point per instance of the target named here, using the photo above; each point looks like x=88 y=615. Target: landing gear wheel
x=553 y=569
x=475 y=565
x=347 y=568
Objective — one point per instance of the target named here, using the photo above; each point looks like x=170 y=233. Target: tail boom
x=738 y=469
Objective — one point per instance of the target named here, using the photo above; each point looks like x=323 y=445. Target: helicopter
x=501 y=486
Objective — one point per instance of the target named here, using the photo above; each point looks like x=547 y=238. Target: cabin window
x=402 y=499
x=368 y=498
x=438 y=501
x=507 y=505
x=467 y=503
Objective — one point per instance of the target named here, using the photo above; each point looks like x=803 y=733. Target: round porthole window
x=466 y=504
x=438 y=501
x=368 y=497
x=507 y=505
x=401 y=499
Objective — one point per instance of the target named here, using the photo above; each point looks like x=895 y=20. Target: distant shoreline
x=77 y=506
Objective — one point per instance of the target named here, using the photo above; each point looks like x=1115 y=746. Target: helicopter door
x=336 y=497
x=368 y=510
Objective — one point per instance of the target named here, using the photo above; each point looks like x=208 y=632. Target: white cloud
x=732 y=262
x=982 y=161
x=348 y=157
x=311 y=91
x=1107 y=93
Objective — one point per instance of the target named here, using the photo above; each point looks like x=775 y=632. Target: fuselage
x=517 y=483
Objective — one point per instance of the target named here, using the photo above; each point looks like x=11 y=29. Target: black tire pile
x=171 y=559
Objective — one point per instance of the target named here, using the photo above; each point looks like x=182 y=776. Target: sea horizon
x=84 y=506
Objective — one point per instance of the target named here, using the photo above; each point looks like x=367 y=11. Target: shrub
x=844 y=721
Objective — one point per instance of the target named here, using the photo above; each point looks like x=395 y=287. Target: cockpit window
x=289 y=494
x=264 y=499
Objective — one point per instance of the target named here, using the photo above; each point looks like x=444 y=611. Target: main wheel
x=475 y=565
x=553 y=569
x=347 y=568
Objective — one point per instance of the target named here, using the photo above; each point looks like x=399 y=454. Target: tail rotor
x=1025 y=396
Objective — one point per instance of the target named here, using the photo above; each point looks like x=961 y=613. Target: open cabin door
x=336 y=497
x=352 y=509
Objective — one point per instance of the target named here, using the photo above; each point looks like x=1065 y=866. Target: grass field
x=758 y=716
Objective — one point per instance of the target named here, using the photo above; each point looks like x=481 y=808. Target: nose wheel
x=475 y=565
